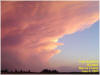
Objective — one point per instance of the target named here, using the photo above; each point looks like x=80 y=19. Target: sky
x=77 y=47
x=38 y=35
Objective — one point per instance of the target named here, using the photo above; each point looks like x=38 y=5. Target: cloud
x=31 y=30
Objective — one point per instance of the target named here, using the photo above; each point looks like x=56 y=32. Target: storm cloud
x=31 y=30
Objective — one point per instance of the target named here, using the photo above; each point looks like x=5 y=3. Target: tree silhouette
x=16 y=71
x=4 y=71
x=21 y=71
x=54 y=71
x=29 y=71
x=45 y=71
x=48 y=71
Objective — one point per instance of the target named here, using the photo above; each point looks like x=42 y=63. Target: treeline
x=15 y=71
x=49 y=71
x=45 y=71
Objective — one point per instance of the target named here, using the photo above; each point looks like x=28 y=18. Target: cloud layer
x=30 y=30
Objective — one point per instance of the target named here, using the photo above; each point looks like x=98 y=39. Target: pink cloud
x=30 y=30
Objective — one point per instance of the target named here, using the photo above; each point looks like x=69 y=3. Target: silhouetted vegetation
x=14 y=72
x=4 y=71
x=49 y=71
x=45 y=71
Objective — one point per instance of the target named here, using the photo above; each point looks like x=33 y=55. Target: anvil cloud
x=30 y=30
